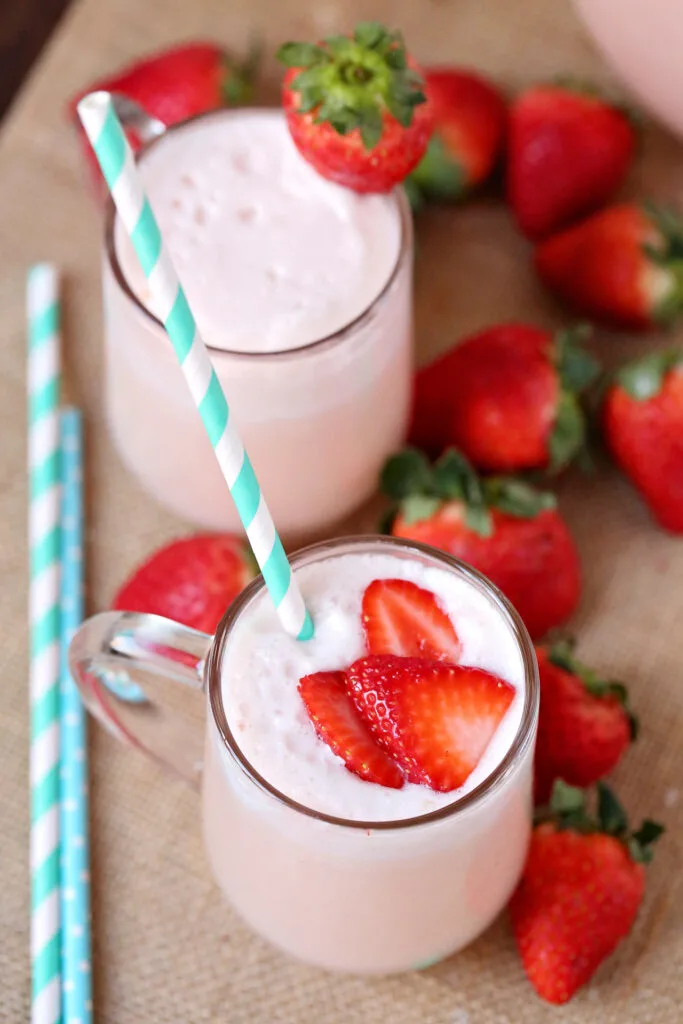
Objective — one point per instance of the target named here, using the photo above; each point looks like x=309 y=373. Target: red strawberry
x=622 y=266
x=470 y=118
x=175 y=84
x=435 y=720
x=643 y=426
x=580 y=892
x=568 y=153
x=192 y=580
x=338 y=724
x=506 y=529
x=401 y=618
x=507 y=397
x=584 y=724
x=355 y=107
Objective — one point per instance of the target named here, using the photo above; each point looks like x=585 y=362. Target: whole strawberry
x=193 y=580
x=643 y=428
x=470 y=120
x=621 y=267
x=580 y=892
x=506 y=529
x=507 y=397
x=584 y=724
x=356 y=107
x=173 y=85
x=568 y=153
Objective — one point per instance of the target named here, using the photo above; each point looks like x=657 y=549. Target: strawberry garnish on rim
x=338 y=724
x=356 y=108
x=401 y=618
x=435 y=720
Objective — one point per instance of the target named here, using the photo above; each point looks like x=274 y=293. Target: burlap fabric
x=166 y=949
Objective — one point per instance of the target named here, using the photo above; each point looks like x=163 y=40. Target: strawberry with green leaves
x=470 y=121
x=643 y=427
x=507 y=397
x=569 y=151
x=508 y=530
x=584 y=724
x=193 y=580
x=356 y=107
x=173 y=85
x=580 y=891
x=622 y=267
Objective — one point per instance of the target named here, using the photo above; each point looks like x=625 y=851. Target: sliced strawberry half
x=435 y=720
x=401 y=618
x=338 y=724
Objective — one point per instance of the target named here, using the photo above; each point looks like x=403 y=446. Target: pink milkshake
x=334 y=869
x=344 y=849
x=302 y=290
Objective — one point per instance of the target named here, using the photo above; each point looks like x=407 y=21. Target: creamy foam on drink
x=262 y=667
x=272 y=256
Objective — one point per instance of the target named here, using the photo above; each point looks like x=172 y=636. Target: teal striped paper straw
x=44 y=619
x=75 y=862
x=115 y=158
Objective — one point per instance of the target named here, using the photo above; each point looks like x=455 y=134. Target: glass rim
x=523 y=737
x=110 y=220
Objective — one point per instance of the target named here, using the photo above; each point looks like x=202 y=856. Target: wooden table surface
x=166 y=949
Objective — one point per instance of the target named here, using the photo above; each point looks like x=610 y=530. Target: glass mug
x=350 y=392
x=363 y=897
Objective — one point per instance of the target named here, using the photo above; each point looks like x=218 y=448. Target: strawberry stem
x=577 y=370
x=667 y=255
x=643 y=378
x=354 y=82
x=568 y=810
x=238 y=76
x=562 y=655
x=418 y=489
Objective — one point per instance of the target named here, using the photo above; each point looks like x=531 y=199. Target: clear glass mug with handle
x=365 y=897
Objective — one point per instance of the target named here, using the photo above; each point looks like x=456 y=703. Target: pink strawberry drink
x=334 y=869
x=302 y=290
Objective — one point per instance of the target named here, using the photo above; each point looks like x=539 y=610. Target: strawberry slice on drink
x=339 y=725
x=401 y=618
x=435 y=720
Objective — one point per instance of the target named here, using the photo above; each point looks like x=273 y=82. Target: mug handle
x=127 y=667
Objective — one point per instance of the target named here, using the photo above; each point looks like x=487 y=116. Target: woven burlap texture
x=166 y=949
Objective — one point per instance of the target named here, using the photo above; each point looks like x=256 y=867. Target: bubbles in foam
x=261 y=205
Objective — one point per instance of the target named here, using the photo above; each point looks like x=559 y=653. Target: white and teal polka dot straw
x=116 y=161
x=75 y=860
x=44 y=626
